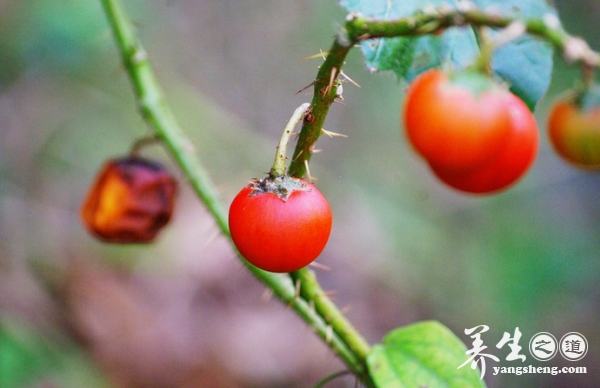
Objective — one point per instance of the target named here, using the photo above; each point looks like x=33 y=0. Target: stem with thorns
x=358 y=28
x=328 y=322
x=157 y=113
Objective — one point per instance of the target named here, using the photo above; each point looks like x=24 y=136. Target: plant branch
x=358 y=28
x=157 y=113
x=310 y=289
x=329 y=323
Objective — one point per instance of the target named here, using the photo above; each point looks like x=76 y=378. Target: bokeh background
x=183 y=312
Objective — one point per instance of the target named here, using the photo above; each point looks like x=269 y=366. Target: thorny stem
x=158 y=115
x=278 y=168
x=358 y=28
x=310 y=289
x=343 y=340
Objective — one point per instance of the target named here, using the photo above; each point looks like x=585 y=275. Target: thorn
x=310 y=179
x=346 y=309
x=349 y=79
x=211 y=239
x=330 y=293
x=297 y=292
x=322 y=54
x=306 y=87
x=320 y=266
x=317 y=151
x=339 y=100
x=332 y=134
x=266 y=295
x=331 y=80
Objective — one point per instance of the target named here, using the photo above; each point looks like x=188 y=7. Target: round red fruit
x=510 y=165
x=280 y=224
x=574 y=132
x=457 y=121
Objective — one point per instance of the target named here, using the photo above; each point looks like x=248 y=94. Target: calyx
x=282 y=186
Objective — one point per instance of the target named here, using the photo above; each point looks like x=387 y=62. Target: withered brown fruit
x=130 y=201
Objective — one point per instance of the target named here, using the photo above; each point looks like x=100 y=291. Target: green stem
x=342 y=337
x=278 y=168
x=483 y=62
x=358 y=29
x=158 y=115
x=325 y=94
x=310 y=289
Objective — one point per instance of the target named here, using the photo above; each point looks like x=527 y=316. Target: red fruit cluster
x=476 y=136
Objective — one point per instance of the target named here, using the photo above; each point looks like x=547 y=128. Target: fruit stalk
x=157 y=113
x=358 y=28
x=278 y=168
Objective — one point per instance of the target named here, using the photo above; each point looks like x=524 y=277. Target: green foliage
x=524 y=63
x=424 y=354
x=23 y=357
x=410 y=56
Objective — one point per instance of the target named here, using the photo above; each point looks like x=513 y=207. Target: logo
x=573 y=346
x=543 y=346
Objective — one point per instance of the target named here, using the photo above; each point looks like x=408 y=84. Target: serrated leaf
x=425 y=354
x=525 y=64
x=410 y=56
x=531 y=79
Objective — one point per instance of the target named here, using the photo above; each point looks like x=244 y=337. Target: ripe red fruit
x=574 y=131
x=280 y=225
x=457 y=121
x=510 y=165
x=130 y=201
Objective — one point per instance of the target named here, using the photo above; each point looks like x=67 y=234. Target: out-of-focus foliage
x=525 y=64
x=183 y=312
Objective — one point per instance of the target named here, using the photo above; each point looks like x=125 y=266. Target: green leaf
x=525 y=64
x=425 y=354
x=531 y=78
x=410 y=56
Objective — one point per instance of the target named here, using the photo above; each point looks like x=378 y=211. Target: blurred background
x=183 y=312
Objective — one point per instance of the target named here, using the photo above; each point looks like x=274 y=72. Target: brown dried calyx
x=282 y=186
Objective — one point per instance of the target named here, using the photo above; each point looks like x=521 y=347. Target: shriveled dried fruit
x=130 y=201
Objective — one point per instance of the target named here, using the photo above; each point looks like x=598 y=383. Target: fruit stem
x=587 y=76
x=278 y=168
x=483 y=63
x=142 y=143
